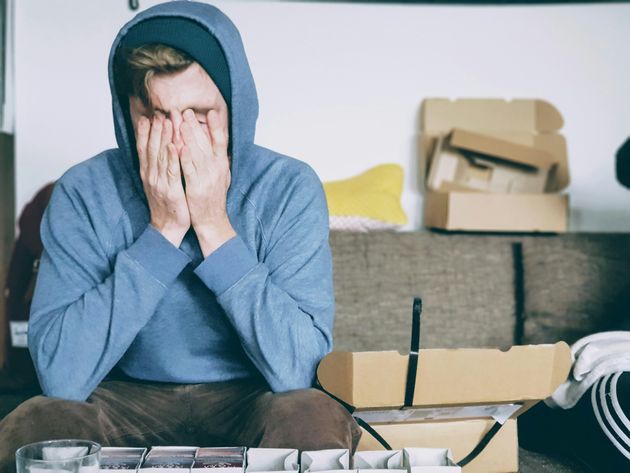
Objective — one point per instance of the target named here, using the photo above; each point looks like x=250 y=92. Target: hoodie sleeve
x=89 y=306
x=282 y=307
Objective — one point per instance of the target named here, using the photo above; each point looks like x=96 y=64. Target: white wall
x=340 y=85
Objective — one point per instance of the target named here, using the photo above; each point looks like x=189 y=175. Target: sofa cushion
x=575 y=285
x=466 y=282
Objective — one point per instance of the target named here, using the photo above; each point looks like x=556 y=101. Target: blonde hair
x=139 y=65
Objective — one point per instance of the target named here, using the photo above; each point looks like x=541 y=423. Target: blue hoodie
x=112 y=291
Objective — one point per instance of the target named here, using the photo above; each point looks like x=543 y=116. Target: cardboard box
x=220 y=459
x=468 y=211
x=379 y=461
x=487 y=130
x=121 y=458
x=461 y=437
x=168 y=460
x=430 y=460
x=478 y=387
x=467 y=160
x=269 y=460
x=325 y=461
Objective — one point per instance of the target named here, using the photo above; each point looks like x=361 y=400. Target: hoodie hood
x=243 y=100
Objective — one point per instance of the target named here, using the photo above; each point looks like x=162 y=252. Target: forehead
x=190 y=88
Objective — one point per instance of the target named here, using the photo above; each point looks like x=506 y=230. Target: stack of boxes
x=494 y=166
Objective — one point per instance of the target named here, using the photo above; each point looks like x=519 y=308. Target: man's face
x=171 y=94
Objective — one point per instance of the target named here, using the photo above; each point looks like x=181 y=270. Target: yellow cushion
x=374 y=195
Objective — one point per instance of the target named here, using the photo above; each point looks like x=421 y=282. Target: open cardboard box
x=524 y=132
x=478 y=387
x=467 y=160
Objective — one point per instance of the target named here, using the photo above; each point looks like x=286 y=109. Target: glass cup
x=59 y=456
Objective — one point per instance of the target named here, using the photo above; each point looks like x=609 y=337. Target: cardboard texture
x=520 y=376
x=493 y=165
x=496 y=212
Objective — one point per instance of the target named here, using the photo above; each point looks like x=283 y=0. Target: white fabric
x=63 y=453
x=350 y=223
x=594 y=356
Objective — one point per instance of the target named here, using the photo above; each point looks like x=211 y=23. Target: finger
x=155 y=137
x=217 y=132
x=192 y=150
x=173 y=171
x=187 y=164
x=196 y=132
x=163 y=158
x=142 y=136
x=188 y=135
x=167 y=133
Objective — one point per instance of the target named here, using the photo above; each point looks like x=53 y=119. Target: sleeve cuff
x=158 y=256
x=226 y=265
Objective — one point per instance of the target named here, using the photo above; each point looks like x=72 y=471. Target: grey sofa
x=478 y=291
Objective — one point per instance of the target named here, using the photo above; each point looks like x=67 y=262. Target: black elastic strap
x=413 y=352
x=368 y=428
x=350 y=408
x=463 y=462
x=519 y=292
x=481 y=445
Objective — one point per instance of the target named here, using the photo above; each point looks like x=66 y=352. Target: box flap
x=446 y=376
x=500 y=148
x=440 y=115
x=337 y=372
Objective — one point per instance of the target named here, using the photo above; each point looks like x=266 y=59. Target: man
x=190 y=261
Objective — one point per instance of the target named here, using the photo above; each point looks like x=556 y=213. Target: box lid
x=441 y=115
x=446 y=376
x=529 y=122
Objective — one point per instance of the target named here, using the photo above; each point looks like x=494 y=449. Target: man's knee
x=43 y=418
x=308 y=419
x=40 y=418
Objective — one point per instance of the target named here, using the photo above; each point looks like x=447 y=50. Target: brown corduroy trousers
x=142 y=414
